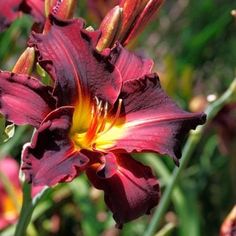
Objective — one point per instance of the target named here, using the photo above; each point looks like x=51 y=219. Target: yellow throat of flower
x=92 y=126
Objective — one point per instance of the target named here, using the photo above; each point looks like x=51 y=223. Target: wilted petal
x=153 y=122
x=130 y=188
x=67 y=53
x=130 y=65
x=8 y=12
x=23 y=99
x=51 y=158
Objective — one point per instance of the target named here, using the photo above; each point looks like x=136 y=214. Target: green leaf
x=6 y=132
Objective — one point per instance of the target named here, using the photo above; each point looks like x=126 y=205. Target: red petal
x=51 y=158
x=153 y=121
x=130 y=188
x=35 y=8
x=23 y=99
x=8 y=12
x=130 y=65
x=67 y=53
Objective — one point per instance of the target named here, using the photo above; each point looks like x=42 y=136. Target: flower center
x=91 y=122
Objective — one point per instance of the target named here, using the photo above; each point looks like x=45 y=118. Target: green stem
x=188 y=150
x=26 y=211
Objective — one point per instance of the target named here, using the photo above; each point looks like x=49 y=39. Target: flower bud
x=25 y=63
x=131 y=9
x=110 y=28
x=136 y=14
x=62 y=9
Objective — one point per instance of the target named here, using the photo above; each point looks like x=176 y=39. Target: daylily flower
x=8 y=208
x=11 y=9
x=103 y=107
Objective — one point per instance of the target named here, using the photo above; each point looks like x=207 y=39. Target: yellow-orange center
x=92 y=126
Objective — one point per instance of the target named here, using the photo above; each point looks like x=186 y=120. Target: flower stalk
x=188 y=150
x=27 y=208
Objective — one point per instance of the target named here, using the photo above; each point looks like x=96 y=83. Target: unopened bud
x=110 y=28
x=62 y=9
x=136 y=15
x=131 y=9
x=48 y=6
x=25 y=63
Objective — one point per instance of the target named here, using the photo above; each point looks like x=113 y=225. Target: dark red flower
x=11 y=9
x=102 y=107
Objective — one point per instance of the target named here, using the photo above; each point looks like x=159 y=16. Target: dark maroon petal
x=23 y=99
x=130 y=188
x=67 y=53
x=153 y=121
x=35 y=8
x=130 y=65
x=9 y=10
x=51 y=157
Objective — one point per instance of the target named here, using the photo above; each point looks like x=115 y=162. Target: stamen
x=103 y=120
x=114 y=120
